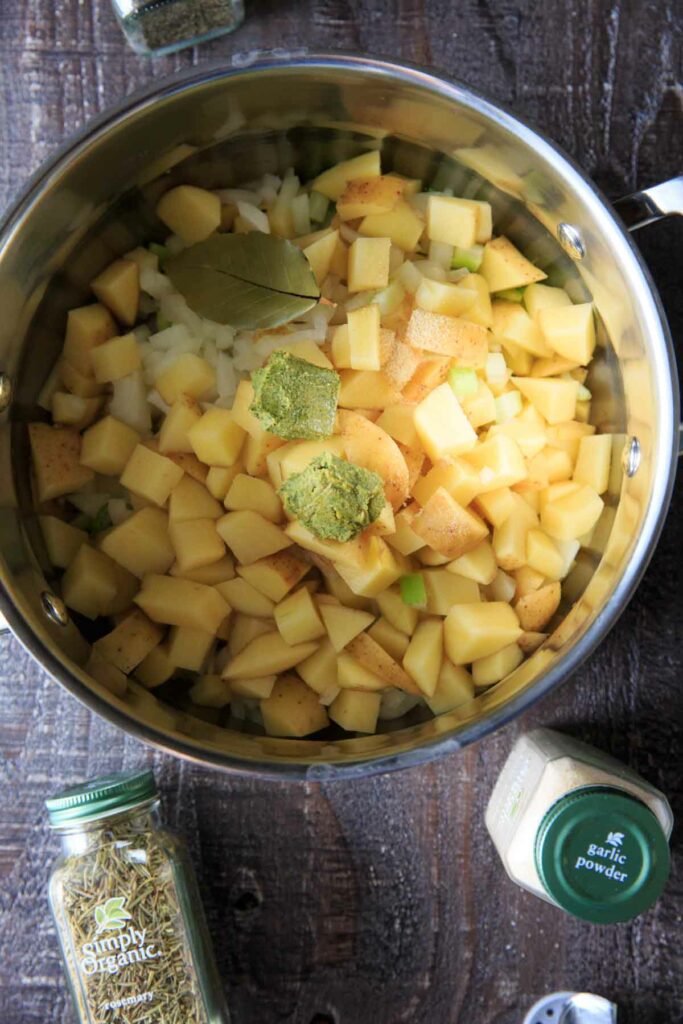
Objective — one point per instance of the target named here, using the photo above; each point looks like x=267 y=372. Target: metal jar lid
x=100 y=797
x=602 y=855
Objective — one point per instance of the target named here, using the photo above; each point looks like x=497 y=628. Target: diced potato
x=246 y=599
x=503 y=266
x=295 y=458
x=351 y=675
x=424 y=655
x=351 y=553
x=404 y=539
x=454 y=688
x=219 y=478
x=536 y=608
x=116 y=358
x=297 y=618
x=399 y=614
x=216 y=438
x=253 y=688
x=445 y=589
x=554 y=366
x=193 y=213
x=244 y=629
x=480 y=408
x=174 y=436
x=118 y=288
x=189 y=648
x=62 y=540
x=499 y=461
x=320 y=254
x=442 y=426
x=480 y=311
x=86 y=328
x=400 y=368
x=94 y=585
x=216 y=572
x=394 y=642
x=108 y=445
x=569 y=331
x=196 y=543
x=570 y=516
x=78 y=383
x=189 y=464
x=266 y=655
x=73 y=410
x=179 y=602
x=130 y=642
x=510 y=543
x=497 y=506
x=189 y=375
x=554 y=399
x=511 y=322
x=343 y=624
x=112 y=678
x=355 y=711
x=426 y=556
x=368 y=267
x=364 y=338
x=293 y=709
x=397 y=421
x=453 y=221
x=449 y=336
x=275 y=575
x=372 y=656
x=256 y=451
x=341 y=591
x=250 y=537
x=332 y=182
x=191 y=500
x=319 y=671
x=367 y=389
x=527 y=580
x=248 y=494
x=402 y=225
x=210 y=691
x=310 y=352
x=431 y=372
x=473 y=631
x=378 y=569
x=456 y=476
x=494 y=667
x=364 y=196
x=594 y=461
x=543 y=555
x=530 y=641
x=156 y=668
x=56 y=460
x=529 y=436
x=367 y=445
x=415 y=460
x=541 y=296
x=443 y=297
x=479 y=564
x=151 y=475
x=141 y=543
x=447 y=527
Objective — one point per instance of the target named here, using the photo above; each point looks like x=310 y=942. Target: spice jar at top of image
x=157 y=27
x=127 y=909
x=580 y=829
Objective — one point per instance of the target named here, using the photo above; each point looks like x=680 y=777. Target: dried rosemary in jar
x=126 y=906
x=162 y=26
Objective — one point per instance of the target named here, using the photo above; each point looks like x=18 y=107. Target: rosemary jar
x=156 y=27
x=127 y=910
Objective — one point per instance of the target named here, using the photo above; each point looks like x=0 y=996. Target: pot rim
x=663 y=470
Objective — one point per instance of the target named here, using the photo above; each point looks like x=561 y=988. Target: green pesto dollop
x=333 y=498
x=295 y=399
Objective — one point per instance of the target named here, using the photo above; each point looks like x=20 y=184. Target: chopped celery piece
x=469 y=259
x=508 y=406
x=161 y=252
x=511 y=294
x=390 y=298
x=317 y=206
x=463 y=381
x=413 y=590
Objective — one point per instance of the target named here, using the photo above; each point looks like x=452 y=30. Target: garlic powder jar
x=579 y=829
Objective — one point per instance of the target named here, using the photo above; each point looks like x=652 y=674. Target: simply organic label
x=111 y=953
x=605 y=860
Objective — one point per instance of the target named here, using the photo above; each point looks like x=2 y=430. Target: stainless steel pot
x=95 y=199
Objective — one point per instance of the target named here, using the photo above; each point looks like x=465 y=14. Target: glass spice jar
x=156 y=27
x=127 y=909
x=580 y=829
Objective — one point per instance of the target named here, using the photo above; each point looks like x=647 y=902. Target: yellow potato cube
x=402 y=225
x=179 y=602
x=151 y=475
x=424 y=655
x=456 y=476
x=219 y=478
x=94 y=585
x=541 y=296
x=447 y=527
x=216 y=439
x=351 y=553
x=442 y=426
x=78 y=383
x=453 y=221
x=116 y=358
x=183 y=414
x=257 y=450
x=244 y=629
x=130 y=642
x=189 y=648
x=62 y=540
x=339 y=590
x=400 y=615
x=379 y=568
x=365 y=651
x=443 y=297
x=368 y=267
x=367 y=445
x=554 y=399
x=397 y=421
x=527 y=580
x=367 y=389
x=108 y=445
x=473 y=631
x=188 y=375
x=351 y=675
x=212 y=574
x=543 y=555
x=499 y=461
x=364 y=196
x=394 y=642
x=480 y=408
x=536 y=608
x=510 y=543
x=141 y=543
x=191 y=500
x=491 y=669
x=73 y=410
x=343 y=624
x=246 y=599
x=479 y=564
x=248 y=494
x=404 y=539
x=573 y=514
x=193 y=213
x=594 y=461
x=320 y=254
x=156 y=668
x=511 y=322
x=107 y=675
x=364 y=338
x=293 y=710
x=355 y=711
x=196 y=543
x=319 y=671
x=210 y=691
x=503 y=266
x=118 y=288
x=332 y=182
x=86 y=328
x=266 y=655
x=56 y=455
x=275 y=575
x=297 y=618
x=454 y=688
x=250 y=537
x=241 y=409
x=253 y=688
x=569 y=331
x=451 y=336
x=445 y=589
x=480 y=311
x=496 y=506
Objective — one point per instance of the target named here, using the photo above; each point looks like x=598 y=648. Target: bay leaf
x=252 y=282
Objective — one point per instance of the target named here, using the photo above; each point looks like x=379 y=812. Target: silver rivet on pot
x=54 y=608
x=631 y=456
x=5 y=391
x=571 y=241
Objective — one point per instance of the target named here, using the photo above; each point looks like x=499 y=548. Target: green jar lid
x=602 y=855
x=100 y=797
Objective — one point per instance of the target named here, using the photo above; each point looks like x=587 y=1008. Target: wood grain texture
x=381 y=901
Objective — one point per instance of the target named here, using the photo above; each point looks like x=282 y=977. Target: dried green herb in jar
x=162 y=26
x=127 y=910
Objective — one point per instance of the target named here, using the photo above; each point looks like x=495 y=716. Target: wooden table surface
x=382 y=901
